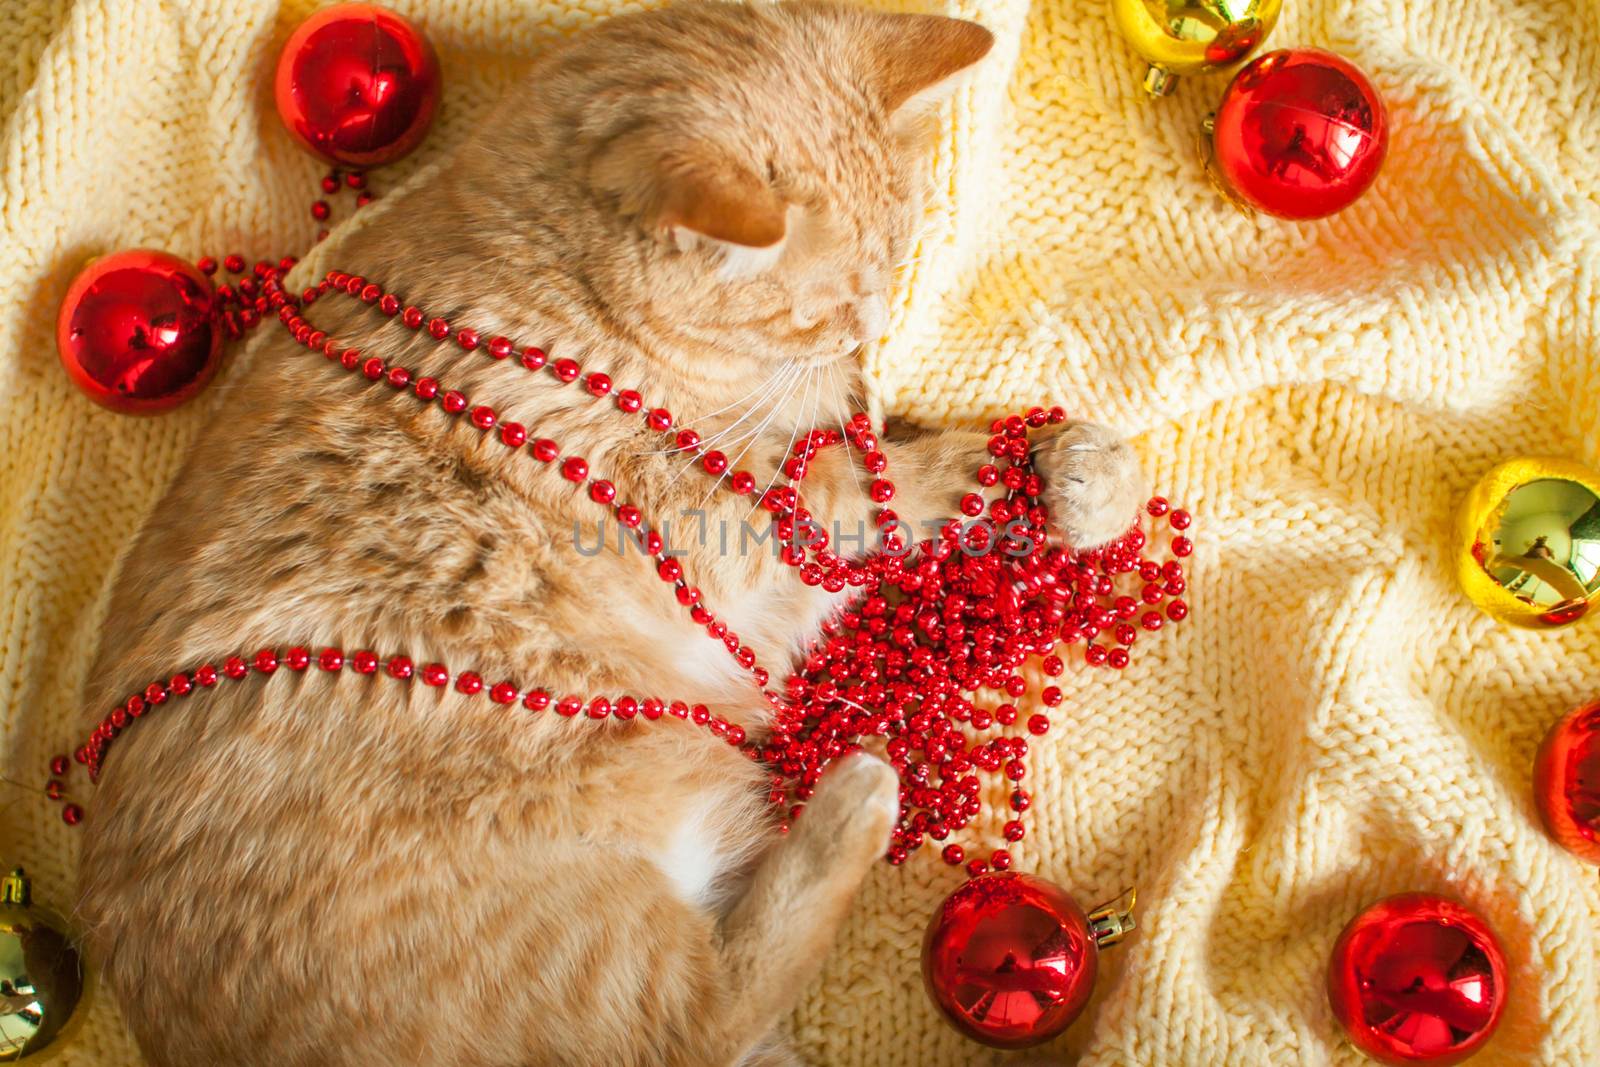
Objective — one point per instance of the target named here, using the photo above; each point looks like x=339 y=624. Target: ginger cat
x=307 y=869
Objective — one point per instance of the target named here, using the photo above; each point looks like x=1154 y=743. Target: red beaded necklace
x=956 y=618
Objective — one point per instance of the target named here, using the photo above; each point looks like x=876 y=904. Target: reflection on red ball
x=1010 y=960
x=357 y=85
x=138 y=331
x=1566 y=782
x=1300 y=134
x=1418 y=979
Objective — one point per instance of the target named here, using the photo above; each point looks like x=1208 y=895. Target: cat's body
x=336 y=870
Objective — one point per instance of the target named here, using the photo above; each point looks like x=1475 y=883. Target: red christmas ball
x=1009 y=959
x=138 y=331
x=357 y=85
x=1300 y=134
x=1418 y=979
x=1566 y=782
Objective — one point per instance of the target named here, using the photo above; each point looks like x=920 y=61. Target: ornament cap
x=1158 y=81
x=1206 y=148
x=1113 y=920
x=16 y=889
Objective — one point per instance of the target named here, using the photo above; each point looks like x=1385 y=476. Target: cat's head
x=746 y=177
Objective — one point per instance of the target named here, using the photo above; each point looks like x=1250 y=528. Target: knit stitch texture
x=1334 y=723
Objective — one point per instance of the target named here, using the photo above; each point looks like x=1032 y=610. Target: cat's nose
x=872 y=319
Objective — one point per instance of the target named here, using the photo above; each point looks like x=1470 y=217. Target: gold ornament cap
x=16 y=889
x=1113 y=920
x=1206 y=148
x=1527 y=546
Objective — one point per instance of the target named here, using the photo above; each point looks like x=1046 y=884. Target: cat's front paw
x=855 y=805
x=1093 y=483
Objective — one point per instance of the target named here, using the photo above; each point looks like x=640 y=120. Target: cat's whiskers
x=811 y=378
x=500 y=260
x=1000 y=241
x=695 y=456
x=816 y=407
x=750 y=432
x=753 y=435
x=753 y=408
x=839 y=400
x=788 y=364
x=810 y=422
x=841 y=698
x=765 y=388
x=910 y=261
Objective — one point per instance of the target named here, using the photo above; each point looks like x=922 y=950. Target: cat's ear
x=915 y=61
x=724 y=201
x=693 y=192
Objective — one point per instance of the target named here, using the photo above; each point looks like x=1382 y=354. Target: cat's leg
x=1093 y=484
x=775 y=938
x=673 y=990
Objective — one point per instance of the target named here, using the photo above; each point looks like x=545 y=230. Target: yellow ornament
x=1192 y=36
x=1528 y=542
x=40 y=980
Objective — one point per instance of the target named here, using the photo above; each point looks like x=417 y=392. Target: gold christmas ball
x=1192 y=36
x=1528 y=542
x=40 y=980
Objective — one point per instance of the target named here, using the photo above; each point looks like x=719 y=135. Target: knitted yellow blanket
x=1334 y=723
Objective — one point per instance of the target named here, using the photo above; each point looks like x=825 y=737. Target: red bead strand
x=267 y=661
x=573 y=468
x=908 y=661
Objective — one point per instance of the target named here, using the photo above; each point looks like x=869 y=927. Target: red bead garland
x=298 y=659
x=905 y=663
x=908 y=661
x=573 y=468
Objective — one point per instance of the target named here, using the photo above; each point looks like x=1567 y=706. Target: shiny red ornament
x=1301 y=134
x=1011 y=959
x=357 y=85
x=138 y=331
x=1566 y=781
x=1418 y=979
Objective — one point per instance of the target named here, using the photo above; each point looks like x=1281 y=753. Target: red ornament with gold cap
x=357 y=85
x=138 y=331
x=1566 y=781
x=1011 y=959
x=1300 y=134
x=1418 y=978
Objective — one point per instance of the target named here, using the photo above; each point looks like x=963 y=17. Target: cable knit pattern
x=1335 y=722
